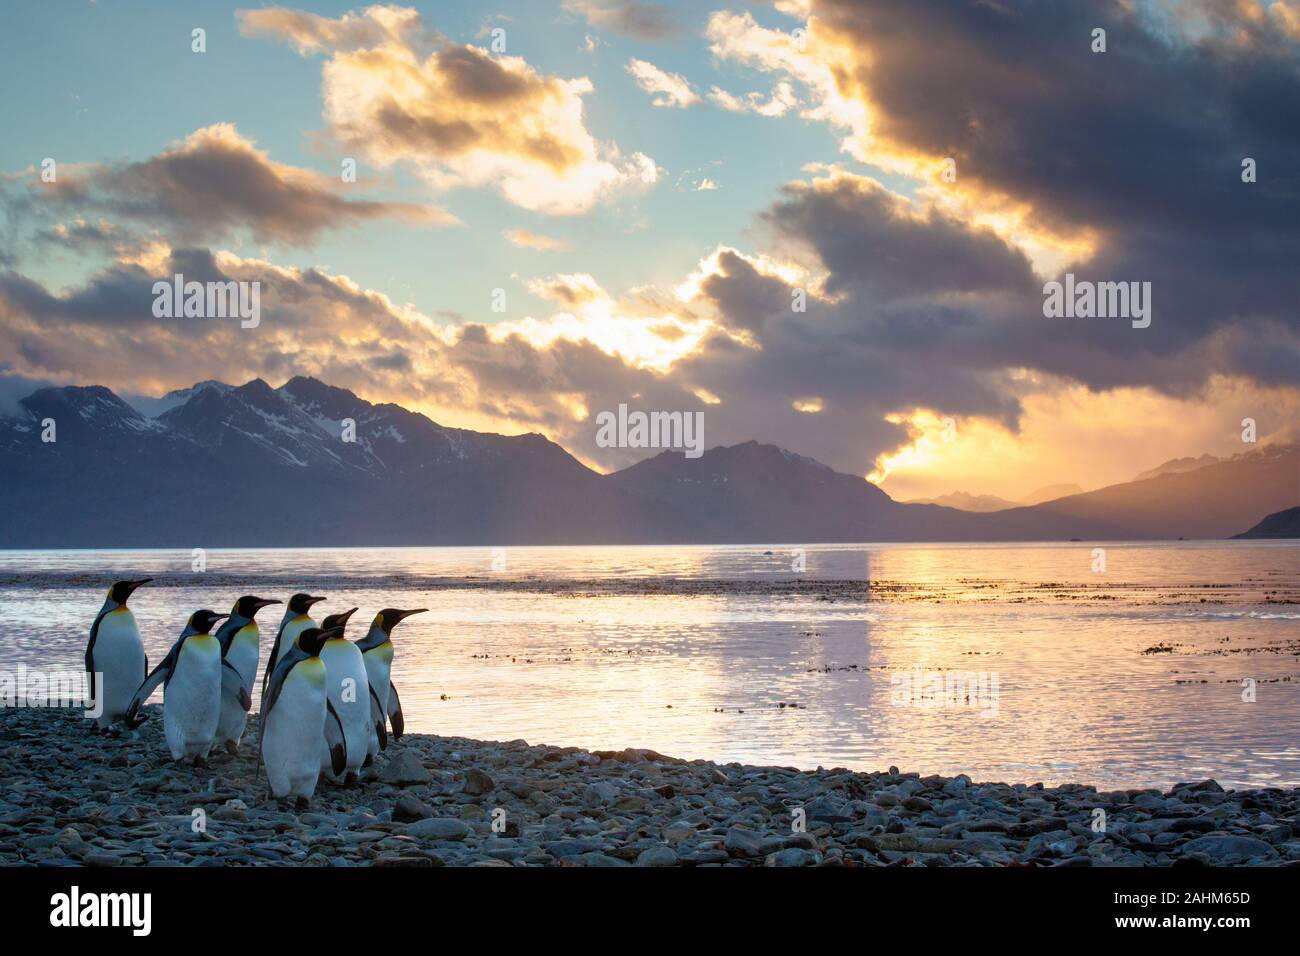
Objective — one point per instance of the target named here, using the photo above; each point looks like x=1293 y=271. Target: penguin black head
x=312 y=639
x=120 y=591
x=201 y=621
x=389 y=617
x=248 y=606
x=301 y=603
x=337 y=620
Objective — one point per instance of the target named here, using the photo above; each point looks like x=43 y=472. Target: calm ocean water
x=1017 y=663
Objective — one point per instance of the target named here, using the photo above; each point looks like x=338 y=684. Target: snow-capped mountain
x=217 y=465
x=251 y=464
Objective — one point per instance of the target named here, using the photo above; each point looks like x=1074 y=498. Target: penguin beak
x=403 y=615
x=331 y=633
x=130 y=586
x=313 y=600
x=213 y=619
x=343 y=618
x=265 y=602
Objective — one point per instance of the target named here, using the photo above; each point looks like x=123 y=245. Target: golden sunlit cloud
x=667 y=89
x=828 y=65
x=791 y=273
x=395 y=92
x=1069 y=434
x=653 y=341
x=526 y=239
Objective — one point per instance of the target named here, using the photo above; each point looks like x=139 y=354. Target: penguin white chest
x=243 y=657
x=244 y=654
x=295 y=728
x=118 y=657
x=379 y=665
x=192 y=699
x=379 y=662
x=349 y=691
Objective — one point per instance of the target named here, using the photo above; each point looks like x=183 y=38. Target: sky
x=824 y=224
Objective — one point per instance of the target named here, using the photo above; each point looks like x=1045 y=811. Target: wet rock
x=408 y=808
x=478 y=782
x=1220 y=849
x=404 y=769
x=438 y=828
x=657 y=856
x=67 y=799
x=792 y=856
x=743 y=842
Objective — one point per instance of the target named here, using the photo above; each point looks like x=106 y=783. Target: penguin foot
x=199 y=761
x=351 y=780
x=232 y=748
x=302 y=804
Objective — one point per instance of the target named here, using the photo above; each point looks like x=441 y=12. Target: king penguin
x=377 y=651
x=296 y=716
x=116 y=653
x=239 y=638
x=294 y=621
x=192 y=675
x=349 y=694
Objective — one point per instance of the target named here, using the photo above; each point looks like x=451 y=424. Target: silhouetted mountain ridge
x=1280 y=524
x=251 y=465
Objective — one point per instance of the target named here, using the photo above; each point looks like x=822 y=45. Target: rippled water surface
x=1016 y=663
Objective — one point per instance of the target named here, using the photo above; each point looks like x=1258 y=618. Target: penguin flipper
x=233 y=685
x=270 y=664
x=377 y=718
x=395 y=711
x=90 y=645
x=270 y=694
x=159 y=675
x=334 y=738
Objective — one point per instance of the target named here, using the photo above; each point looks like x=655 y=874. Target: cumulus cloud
x=667 y=89
x=781 y=100
x=918 y=305
x=397 y=92
x=213 y=184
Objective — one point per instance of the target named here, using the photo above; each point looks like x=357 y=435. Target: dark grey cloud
x=79 y=234
x=631 y=18
x=1142 y=144
x=1149 y=133
x=14 y=388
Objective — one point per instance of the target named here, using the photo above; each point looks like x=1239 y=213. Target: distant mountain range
x=963 y=501
x=1177 y=466
x=223 y=466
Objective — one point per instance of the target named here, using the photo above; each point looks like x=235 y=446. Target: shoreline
x=73 y=798
x=1283 y=595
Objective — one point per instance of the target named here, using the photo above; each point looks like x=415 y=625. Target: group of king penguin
x=327 y=702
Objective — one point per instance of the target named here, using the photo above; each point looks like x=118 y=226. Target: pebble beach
x=69 y=797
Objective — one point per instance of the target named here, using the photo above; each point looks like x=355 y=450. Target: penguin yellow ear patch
x=378 y=621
